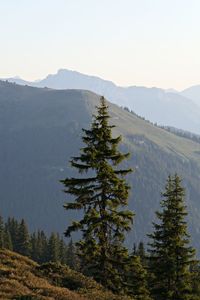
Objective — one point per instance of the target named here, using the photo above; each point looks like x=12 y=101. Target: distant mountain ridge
x=193 y=93
x=165 y=107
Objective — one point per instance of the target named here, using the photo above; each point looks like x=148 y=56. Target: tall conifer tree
x=101 y=195
x=170 y=253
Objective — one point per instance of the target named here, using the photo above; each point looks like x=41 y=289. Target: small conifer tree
x=42 y=246
x=72 y=259
x=62 y=252
x=7 y=241
x=170 y=254
x=136 y=278
x=1 y=233
x=53 y=248
x=34 y=247
x=23 y=239
x=12 y=227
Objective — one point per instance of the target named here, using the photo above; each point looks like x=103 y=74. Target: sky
x=130 y=42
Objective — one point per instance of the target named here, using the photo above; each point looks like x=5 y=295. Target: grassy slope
x=20 y=276
x=129 y=124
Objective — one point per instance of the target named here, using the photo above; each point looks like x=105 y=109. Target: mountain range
x=40 y=129
x=165 y=107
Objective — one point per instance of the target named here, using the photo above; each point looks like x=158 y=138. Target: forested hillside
x=40 y=129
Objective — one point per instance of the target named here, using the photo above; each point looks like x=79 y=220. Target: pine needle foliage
x=102 y=195
x=170 y=254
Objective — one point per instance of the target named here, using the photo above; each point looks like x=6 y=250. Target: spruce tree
x=134 y=252
x=7 y=241
x=53 y=248
x=34 y=247
x=62 y=252
x=170 y=254
x=23 y=239
x=71 y=258
x=140 y=251
x=42 y=247
x=136 y=278
x=102 y=195
x=12 y=226
x=1 y=233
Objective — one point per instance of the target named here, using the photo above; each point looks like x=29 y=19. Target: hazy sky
x=131 y=42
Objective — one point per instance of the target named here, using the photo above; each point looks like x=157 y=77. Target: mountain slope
x=40 y=129
x=22 y=278
x=193 y=93
x=157 y=105
x=19 y=278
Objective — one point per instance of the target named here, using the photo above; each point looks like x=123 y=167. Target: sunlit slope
x=129 y=124
x=22 y=278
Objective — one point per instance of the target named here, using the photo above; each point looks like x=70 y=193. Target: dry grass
x=20 y=277
x=17 y=278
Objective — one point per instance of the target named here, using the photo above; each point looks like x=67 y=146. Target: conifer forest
x=164 y=268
